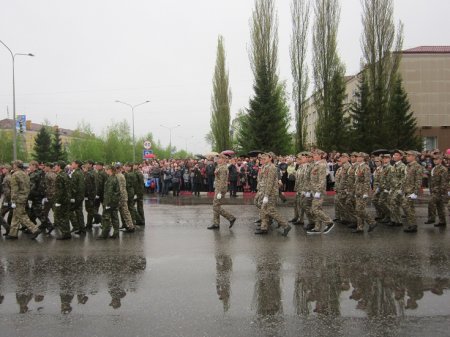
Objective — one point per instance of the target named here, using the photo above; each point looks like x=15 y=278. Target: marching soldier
x=396 y=194
x=340 y=184
x=413 y=181
x=91 y=184
x=302 y=188
x=350 y=192
x=77 y=196
x=385 y=186
x=270 y=193
x=139 y=190
x=36 y=192
x=377 y=173
x=101 y=180
x=20 y=190
x=131 y=181
x=111 y=204
x=221 y=184
x=297 y=189
x=318 y=183
x=125 y=215
x=49 y=194
x=62 y=197
x=362 y=188
x=6 y=202
x=438 y=188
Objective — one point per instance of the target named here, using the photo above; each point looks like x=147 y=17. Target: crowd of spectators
x=197 y=175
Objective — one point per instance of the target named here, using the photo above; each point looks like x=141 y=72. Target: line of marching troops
x=61 y=188
x=396 y=182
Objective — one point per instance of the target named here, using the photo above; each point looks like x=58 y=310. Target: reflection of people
x=224 y=265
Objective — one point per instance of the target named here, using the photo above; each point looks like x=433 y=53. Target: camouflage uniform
x=438 y=187
x=385 y=186
x=302 y=188
x=49 y=193
x=413 y=182
x=139 y=190
x=101 y=180
x=340 y=184
x=90 y=183
x=258 y=195
x=377 y=191
x=349 y=188
x=362 y=188
x=127 y=222
x=131 y=181
x=396 y=195
x=20 y=190
x=221 y=185
x=111 y=204
x=36 y=195
x=77 y=197
x=63 y=188
x=270 y=189
x=318 y=181
x=308 y=198
x=6 y=203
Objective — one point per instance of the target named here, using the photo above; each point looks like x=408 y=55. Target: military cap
x=354 y=154
x=90 y=162
x=400 y=152
x=319 y=152
x=437 y=156
x=18 y=163
x=7 y=166
x=33 y=162
x=78 y=162
x=345 y=155
x=412 y=152
x=49 y=165
x=61 y=163
x=300 y=154
x=271 y=154
x=385 y=155
x=362 y=154
x=100 y=163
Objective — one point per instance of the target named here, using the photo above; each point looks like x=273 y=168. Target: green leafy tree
x=220 y=102
x=265 y=125
x=42 y=145
x=118 y=143
x=58 y=152
x=85 y=145
x=401 y=125
x=6 y=147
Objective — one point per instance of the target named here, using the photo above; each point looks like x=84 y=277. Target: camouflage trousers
x=124 y=214
x=268 y=212
x=376 y=198
x=437 y=203
x=395 y=206
x=319 y=216
x=61 y=220
x=34 y=210
x=89 y=206
x=110 y=217
x=302 y=208
x=132 y=210
x=219 y=211
x=349 y=207
x=258 y=200
x=383 y=204
x=76 y=216
x=362 y=216
x=339 y=206
x=46 y=208
x=20 y=217
x=410 y=211
x=140 y=217
x=6 y=209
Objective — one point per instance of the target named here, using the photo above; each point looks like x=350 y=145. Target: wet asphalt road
x=175 y=278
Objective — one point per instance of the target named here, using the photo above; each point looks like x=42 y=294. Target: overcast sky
x=90 y=53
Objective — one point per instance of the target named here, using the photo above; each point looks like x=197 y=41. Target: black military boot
x=429 y=222
x=213 y=227
x=410 y=229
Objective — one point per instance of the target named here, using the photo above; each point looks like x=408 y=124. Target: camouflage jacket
x=362 y=179
x=130 y=179
x=221 y=179
x=20 y=187
x=112 y=192
x=101 y=180
x=122 y=187
x=6 y=184
x=139 y=188
x=77 y=183
x=439 y=183
x=37 y=186
x=350 y=183
x=259 y=179
x=385 y=176
x=341 y=178
x=301 y=178
x=413 y=179
x=90 y=184
x=269 y=178
x=62 y=189
x=397 y=176
x=50 y=184
x=318 y=177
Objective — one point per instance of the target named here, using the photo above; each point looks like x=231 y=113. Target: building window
x=429 y=143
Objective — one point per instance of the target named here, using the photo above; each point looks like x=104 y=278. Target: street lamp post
x=170 y=136
x=13 y=56
x=132 y=122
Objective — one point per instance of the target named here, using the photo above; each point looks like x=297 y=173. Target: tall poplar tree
x=220 y=102
x=328 y=71
x=265 y=125
x=299 y=69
